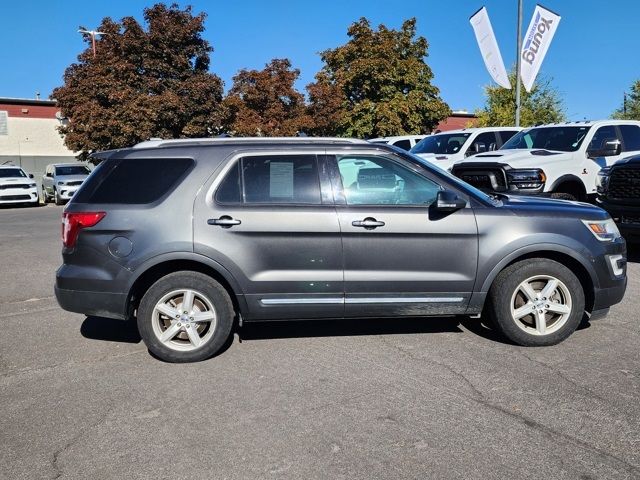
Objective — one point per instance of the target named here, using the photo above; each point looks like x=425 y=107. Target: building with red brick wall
x=457 y=120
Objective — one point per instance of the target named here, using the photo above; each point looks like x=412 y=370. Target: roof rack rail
x=155 y=142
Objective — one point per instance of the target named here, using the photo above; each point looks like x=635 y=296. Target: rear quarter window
x=133 y=181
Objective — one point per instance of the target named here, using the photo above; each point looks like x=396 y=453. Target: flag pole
x=519 y=49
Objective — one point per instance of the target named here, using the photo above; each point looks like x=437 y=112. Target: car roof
x=480 y=129
x=67 y=164
x=158 y=142
x=11 y=166
x=397 y=137
x=589 y=123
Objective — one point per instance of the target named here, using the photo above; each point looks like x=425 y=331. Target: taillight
x=73 y=222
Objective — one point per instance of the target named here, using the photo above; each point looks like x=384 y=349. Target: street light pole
x=93 y=34
x=519 y=49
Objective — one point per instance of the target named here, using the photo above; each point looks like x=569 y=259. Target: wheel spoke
x=558 y=308
x=187 y=301
x=528 y=290
x=194 y=337
x=203 y=316
x=524 y=310
x=549 y=288
x=167 y=310
x=170 y=332
x=541 y=322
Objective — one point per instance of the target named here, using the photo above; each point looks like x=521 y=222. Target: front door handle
x=225 y=221
x=368 y=223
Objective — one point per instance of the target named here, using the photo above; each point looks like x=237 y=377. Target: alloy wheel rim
x=184 y=320
x=541 y=305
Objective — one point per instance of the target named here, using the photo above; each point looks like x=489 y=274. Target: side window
x=506 y=135
x=403 y=144
x=602 y=136
x=380 y=181
x=281 y=179
x=630 y=137
x=485 y=142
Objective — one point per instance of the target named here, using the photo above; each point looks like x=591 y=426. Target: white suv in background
x=446 y=148
x=558 y=160
x=405 y=142
x=17 y=187
x=62 y=180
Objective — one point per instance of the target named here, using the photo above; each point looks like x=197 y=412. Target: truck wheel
x=185 y=317
x=536 y=302
x=563 y=196
x=57 y=198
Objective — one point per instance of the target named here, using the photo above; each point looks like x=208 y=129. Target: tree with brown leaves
x=142 y=83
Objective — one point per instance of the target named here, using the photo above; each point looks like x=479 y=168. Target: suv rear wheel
x=185 y=317
x=536 y=302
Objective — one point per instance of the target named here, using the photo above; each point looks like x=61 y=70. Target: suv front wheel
x=536 y=302
x=185 y=317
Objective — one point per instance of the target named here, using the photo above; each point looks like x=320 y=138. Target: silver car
x=62 y=180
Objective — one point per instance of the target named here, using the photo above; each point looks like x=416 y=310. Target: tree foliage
x=265 y=102
x=143 y=83
x=542 y=105
x=632 y=104
x=376 y=84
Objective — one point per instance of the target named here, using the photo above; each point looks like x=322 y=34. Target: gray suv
x=189 y=236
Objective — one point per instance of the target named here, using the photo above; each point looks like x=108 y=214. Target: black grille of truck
x=624 y=183
x=487 y=178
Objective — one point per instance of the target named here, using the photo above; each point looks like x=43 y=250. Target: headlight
x=60 y=183
x=527 y=178
x=602 y=180
x=603 y=230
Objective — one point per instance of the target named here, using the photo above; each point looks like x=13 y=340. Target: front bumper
x=65 y=192
x=627 y=217
x=612 y=284
x=19 y=195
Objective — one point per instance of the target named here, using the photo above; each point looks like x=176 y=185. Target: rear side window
x=133 y=181
x=403 y=144
x=272 y=180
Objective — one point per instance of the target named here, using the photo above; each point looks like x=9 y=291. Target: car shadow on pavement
x=347 y=327
x=110 y=330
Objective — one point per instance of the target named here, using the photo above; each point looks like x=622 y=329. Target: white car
x=17 y=187
x=446 y=148
x=558 y=160
x=405 y=142
x=62 y=180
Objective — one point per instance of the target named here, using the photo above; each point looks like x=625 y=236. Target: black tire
x=57 y=198
x=563 y=196
x=45 y=197
x=205 y=285
x=503 y=292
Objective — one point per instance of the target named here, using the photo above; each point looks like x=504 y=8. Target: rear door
x=400 y=256
x=269 y=218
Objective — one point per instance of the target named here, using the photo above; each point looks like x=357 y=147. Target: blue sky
x=593 y=58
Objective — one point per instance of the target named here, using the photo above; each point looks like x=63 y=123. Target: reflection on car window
x=562 y=139
x=380 y=181
x=72 y=170
x=442 y=143
x=11 y=172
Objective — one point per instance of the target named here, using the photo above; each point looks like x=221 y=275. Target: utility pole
x=93 y=34
x=519 y=49
x=624 y=103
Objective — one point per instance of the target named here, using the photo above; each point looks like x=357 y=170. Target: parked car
x=619 y=194
x=17 y=187
x=405 y=142
x=444 y=149
x=560 y=160
x=189 y=235
x=62 y=180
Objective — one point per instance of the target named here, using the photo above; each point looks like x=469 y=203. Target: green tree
x=142 y=83
x=376 y=84
x=265 y=102
x=542 y=104
x=630 y=111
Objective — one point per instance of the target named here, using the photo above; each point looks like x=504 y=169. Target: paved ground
x=436 y=398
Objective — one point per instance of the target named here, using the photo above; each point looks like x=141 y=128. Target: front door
x=401 y=257
x=270 y=220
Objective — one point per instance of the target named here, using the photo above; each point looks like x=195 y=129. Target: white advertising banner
x=535 y=44
x=489 y=47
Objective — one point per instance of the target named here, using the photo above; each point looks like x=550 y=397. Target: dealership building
x=29 y=136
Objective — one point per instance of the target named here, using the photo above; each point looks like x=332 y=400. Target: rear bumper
x=100 y=304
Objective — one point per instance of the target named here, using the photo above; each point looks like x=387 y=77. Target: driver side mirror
x=610 y=149
x=448 y=201
x=31 y=175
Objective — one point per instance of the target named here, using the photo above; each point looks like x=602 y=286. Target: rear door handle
x=369 y=223
x=224 y=221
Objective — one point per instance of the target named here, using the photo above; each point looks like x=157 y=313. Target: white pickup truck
x=558 y=160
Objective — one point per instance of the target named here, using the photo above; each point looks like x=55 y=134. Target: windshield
x=562 y=139
x=443 y=143
x=12 y=172
x=72 y=170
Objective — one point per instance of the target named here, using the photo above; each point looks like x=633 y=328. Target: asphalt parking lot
x=374 y=399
